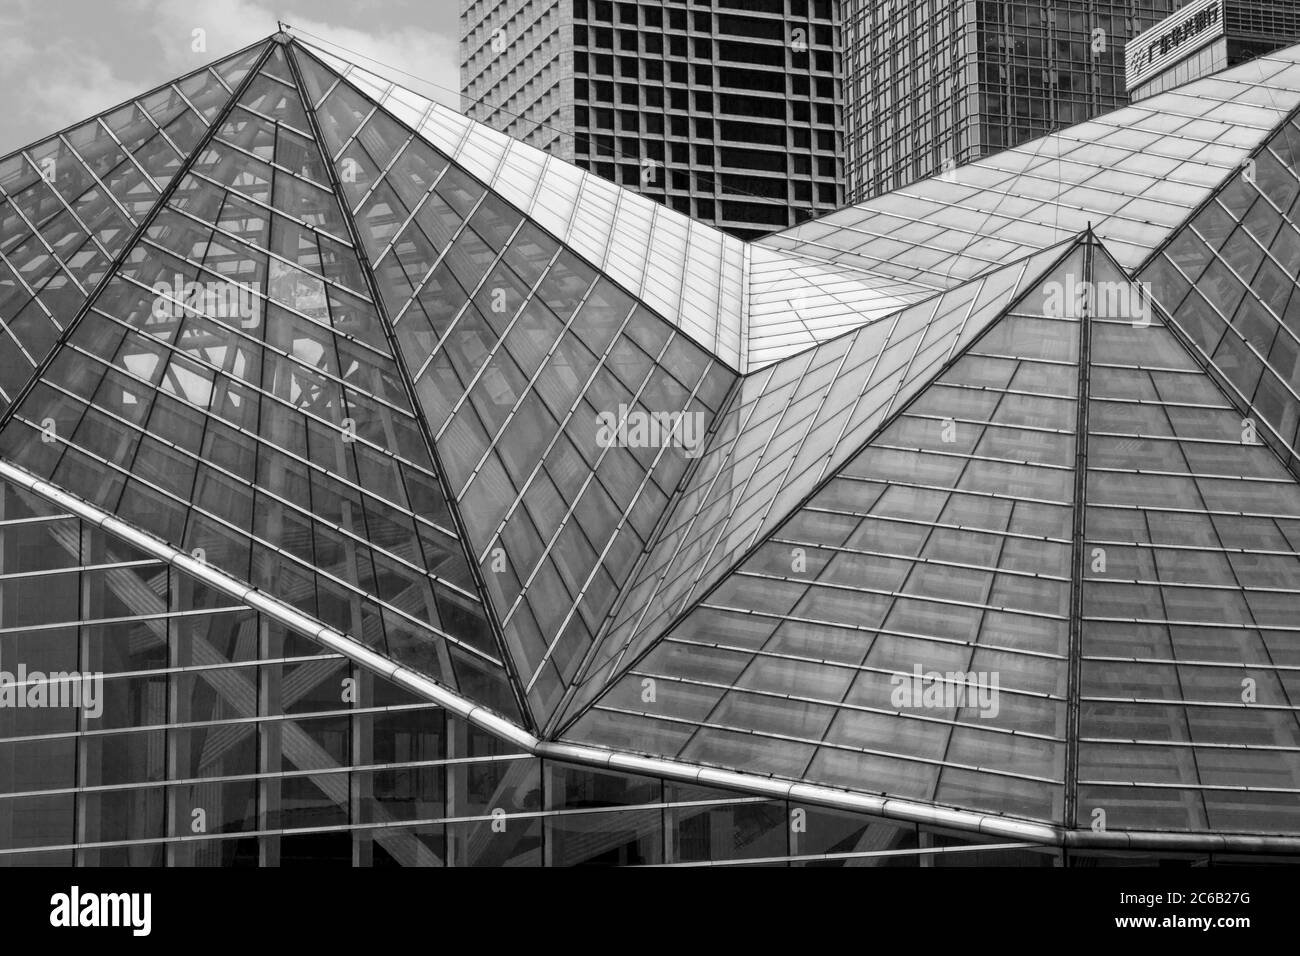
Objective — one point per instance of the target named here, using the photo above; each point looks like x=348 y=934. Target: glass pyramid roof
x=70 y=203
x=621 y=489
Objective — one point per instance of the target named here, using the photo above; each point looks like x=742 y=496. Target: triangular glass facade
x=942 y=547
x=397 y=479
x=1188 y=687
x=517 y=345
x=1228 y=277
x=232 y=390
x=69 y=204
x=787 y=427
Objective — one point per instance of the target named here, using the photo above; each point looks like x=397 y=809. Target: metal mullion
x=382 y=176
x=67 y=144
x=410 y=216
x=896 y=519
x=59 y=196
x=863 y=708
x=812 y=425
x=1154 y=702
x=661 y=570
x=250 y=778
x=1195 y=476
x=623 y=519
x=705 y=564
x=364 y=120
x=235 y=722
x=32 y=296
x=325 y=280
x=965 y=456
x=1156 y=402
x=294 y=174
x=766 y=735
x=778 y=618
x=541 y=460
x=1179 y=662
x=425 y=625
x=1217 y=254
x=313 y=107
x=176 y=85
x=387 y=324
x=283 y=82
x=261 y=204
x=591 y=476
x=1034 y=429
x=49 y=249
x=977 y=494
x=101 y=566
x=1207 y=549
x=164 y=134
x=936 y=562
x=165 y=619
x=207 y=364
x=865 y=668
x=527 y=391
x=115 y=265
x=130 y=158
x=496 y=348
x=1285 y=628
x=306 y=510
x=851 y=855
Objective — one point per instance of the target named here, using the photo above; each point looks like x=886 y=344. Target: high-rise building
x=729 y=112
x=933 y=84
x=377 y=489
x=1204 y=37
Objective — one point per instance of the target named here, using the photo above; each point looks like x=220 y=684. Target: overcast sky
x=66 y=60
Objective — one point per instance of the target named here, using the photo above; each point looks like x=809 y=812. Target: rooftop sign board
x=1172 y=39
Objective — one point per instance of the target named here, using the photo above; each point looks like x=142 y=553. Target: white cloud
x=54 y=86
x=231 y=24
x=56 y=70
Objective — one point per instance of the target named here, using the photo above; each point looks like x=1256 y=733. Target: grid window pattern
x=796 y=301
x=942 y=548
x=69 y=205
x=1190 y=675
x=787 y=428
x=1131 y=175
x=977 y=537
x=520 y=351
x=687 y=272
x=1228 y=278
x=730 y=113
x=232 y=391
x=218 y=739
